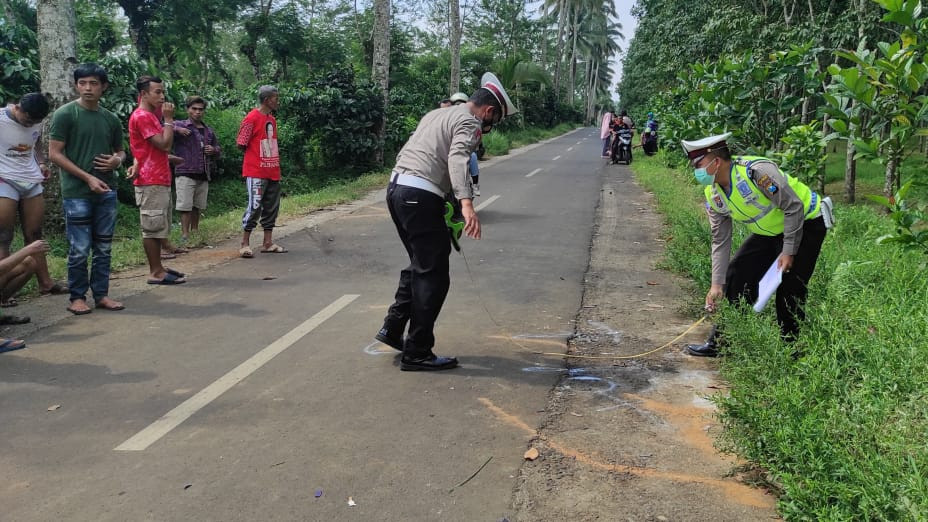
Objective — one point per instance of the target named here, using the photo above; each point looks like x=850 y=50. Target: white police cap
x=490 y=82
x=695 y=150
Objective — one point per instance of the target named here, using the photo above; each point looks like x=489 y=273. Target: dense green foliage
x=838 y=419
x=857 y=67
x=319 y=54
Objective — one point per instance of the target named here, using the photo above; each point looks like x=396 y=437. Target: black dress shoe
x=384 y=336
x=709 y=349
x=430 y=362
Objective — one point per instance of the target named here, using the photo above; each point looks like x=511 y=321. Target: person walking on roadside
x=257 y=138
x=784 y=217
x=605 y=132
x=15 y=270
x=85 y=141
x=151 y=142
x=195 y=143
x=22 y=172
x=431 y=164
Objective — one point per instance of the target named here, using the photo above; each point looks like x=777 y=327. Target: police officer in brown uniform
x=785 y=218
x=432 y=164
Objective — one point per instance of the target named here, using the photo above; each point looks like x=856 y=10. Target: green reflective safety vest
x=748 y=204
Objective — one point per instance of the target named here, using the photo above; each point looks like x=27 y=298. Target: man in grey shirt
x=432 y=164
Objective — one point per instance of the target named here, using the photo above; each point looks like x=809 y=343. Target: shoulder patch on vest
x=767 y=184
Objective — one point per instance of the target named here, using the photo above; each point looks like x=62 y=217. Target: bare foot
x=109 y=304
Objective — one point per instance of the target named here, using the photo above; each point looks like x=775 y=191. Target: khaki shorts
x=191 y=193
x=154 y=203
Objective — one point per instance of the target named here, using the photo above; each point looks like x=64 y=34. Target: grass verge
x=839 y=419
x=498 y=143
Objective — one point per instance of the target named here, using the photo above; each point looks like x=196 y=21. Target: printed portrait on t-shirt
x=269 y=144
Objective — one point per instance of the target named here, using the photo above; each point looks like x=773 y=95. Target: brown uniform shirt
x=440 y=148
x=793 y=218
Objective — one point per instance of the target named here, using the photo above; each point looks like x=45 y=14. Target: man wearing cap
x=784 y=217
x=431 y=164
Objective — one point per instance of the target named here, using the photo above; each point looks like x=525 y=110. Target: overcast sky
x=629 y=24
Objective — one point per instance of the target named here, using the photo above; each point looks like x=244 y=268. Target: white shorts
x=18 y=190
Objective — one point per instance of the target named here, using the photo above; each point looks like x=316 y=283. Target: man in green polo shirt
x=85 y=140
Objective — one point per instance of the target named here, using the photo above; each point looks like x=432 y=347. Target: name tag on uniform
x=744 y=189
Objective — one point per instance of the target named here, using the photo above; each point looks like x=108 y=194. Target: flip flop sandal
x=168 y=255
x=274 y=249
x=9 y=303
x=246 y=252
x=56 y=289
x=8 y=345
x=79 y=312
x=169 y=279
x=175 y=272
x=110 y=308
x=14 y=319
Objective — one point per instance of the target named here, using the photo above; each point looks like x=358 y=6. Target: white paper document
x=768 y=286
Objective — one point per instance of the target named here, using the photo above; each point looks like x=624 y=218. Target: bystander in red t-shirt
x=258 y=134
x=154 y=168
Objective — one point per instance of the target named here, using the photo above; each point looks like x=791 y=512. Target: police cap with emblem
x=696 y=150
x=490 y=82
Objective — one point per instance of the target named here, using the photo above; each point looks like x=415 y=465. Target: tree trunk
x=380 y=68
x=544 y=40
x=454 y=20
x=889 y=183
x=850 y=172
x=573 y=56
x=57 y=37
x=558 y=48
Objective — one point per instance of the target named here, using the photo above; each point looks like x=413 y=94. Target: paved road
x=241 y=397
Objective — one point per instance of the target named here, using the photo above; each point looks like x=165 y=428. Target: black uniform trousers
x=419 y=218
x=755 y=256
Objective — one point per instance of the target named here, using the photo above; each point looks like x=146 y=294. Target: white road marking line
x=569 y=149
x=578 y=143
x=532 y=173
x=486 y=203
x=148 y=436
x=555 y=158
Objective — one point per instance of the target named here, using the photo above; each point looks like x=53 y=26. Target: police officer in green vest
x=784 y=217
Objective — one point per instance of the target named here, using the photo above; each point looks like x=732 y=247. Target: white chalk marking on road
x=148 y=436
x=569 y=149
x=555 y=158
x=486 y=203
x=532 y=173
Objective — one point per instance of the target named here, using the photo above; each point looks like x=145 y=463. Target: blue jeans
x=90 y=223
x=473 y=165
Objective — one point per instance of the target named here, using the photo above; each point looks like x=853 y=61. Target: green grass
x=498 y=143
x=841 y=430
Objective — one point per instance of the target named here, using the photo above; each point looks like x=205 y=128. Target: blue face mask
x=703 y=177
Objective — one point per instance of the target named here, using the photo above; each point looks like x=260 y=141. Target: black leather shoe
x=384 y=336
x=430 y=362
x=708 y=349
